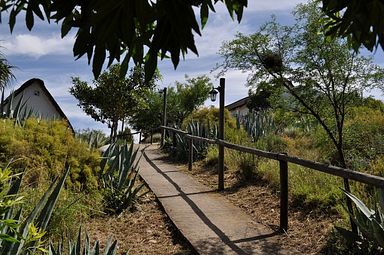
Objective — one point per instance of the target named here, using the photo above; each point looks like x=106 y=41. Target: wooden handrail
x=283 y=159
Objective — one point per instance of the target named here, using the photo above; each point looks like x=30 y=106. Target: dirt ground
x=145 y=230
x=309 y=230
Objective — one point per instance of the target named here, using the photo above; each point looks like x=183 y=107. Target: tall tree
x=322 y=75
x=181 y=101
x=112 y=98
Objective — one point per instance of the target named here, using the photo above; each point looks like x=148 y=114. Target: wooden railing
x=283 y=159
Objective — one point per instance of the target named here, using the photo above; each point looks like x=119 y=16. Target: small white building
x=239 y=108
x=38 y=99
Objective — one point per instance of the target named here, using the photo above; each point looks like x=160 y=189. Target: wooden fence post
x=190 y=154
x=283 y=195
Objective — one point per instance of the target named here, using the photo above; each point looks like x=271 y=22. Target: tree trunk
x=347 y=187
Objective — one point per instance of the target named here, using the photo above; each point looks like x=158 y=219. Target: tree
x=112 y=98
x=124 y=28
x=187 y=97
x=181 y=101
x=323 y=75
x=6 y=76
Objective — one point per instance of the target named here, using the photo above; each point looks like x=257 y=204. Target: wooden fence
x=283 y=159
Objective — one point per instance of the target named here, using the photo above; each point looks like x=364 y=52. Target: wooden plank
x=260 y=153
x=334 y=170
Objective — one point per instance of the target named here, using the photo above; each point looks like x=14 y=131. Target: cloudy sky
x=43 y=54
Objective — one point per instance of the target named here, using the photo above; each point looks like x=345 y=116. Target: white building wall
x=38 y=101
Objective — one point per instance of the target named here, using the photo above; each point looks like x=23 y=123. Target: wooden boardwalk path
x=205 y=218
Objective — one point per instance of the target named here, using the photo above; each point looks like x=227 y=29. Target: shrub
x=364 y=137
x=45 y=146
x=209 y=116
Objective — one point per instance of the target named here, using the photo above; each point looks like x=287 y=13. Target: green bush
x=209 y=116
x=44 y=147
x=364 y=137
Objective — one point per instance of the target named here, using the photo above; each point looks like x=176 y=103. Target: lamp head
x=213 y=94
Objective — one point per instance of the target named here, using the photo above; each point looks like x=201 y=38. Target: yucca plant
x=370 y=223
x=119 y=168
x=76 y=248
x=25 y=236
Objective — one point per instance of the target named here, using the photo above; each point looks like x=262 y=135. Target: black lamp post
x=164 y=122
x=213 y=93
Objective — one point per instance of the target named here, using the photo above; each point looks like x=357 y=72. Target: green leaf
x=29 y=20
x=98 y=60
x=360 y=205
x=204 y=14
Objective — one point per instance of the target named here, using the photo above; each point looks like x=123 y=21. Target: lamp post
x=164 y=122
x=220 y=135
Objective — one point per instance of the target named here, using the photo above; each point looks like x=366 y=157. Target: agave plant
x=77 y=249
x=258 y=124
x=180 y=143
x=16 y=110
x=24 y=236
x=119 y=168
x=370 y=222
x=94 y=138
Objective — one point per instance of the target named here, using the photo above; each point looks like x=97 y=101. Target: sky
x=43 y=54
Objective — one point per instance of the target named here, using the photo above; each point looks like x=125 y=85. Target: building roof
x=45 y=90
x=237 y=104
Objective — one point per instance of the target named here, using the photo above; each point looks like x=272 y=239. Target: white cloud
x=37 y=46
x=276 y=5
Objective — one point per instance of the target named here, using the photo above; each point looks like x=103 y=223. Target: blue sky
x=43 y=54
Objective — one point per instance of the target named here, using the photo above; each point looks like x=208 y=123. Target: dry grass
x=310 y=229
x=146 y=230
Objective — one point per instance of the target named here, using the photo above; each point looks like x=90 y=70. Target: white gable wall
x=38 y=101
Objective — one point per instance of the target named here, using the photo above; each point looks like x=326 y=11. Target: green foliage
x=112 y=98
x=119 y=175
x=258 y=124
x=179 y=144
x=6 y=74
x=29 y=231
x=125 y=28
x=93 y=138
x=370 y=222
x=147 y=115
x=44 y=146
x=181 y=101
x=322 y=78
x=209 y=116
x=16 y=110
x=348 y=19
x=364 y=137
x=185 y=98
